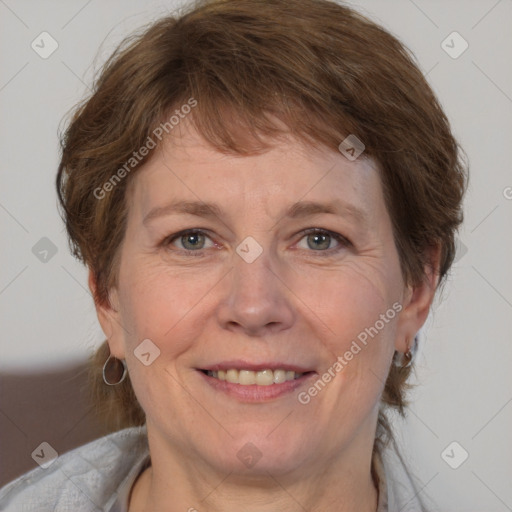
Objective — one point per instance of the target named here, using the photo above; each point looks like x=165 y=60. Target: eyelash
x=343 y=241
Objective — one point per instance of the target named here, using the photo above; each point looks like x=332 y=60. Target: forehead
x=186 y=167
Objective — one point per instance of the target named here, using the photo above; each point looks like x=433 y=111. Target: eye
x=189 y=240
x=322 y=240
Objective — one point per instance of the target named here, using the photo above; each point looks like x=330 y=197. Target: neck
x=343 y=483
x=229 y=496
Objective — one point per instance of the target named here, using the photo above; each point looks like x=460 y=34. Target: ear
x=109 y=318
x=417 y=301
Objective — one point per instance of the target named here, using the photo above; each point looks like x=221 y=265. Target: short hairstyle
x=322 y=69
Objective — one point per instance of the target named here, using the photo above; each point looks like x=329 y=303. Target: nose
x=257 y=301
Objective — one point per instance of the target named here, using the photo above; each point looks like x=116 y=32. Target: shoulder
x=82 y=479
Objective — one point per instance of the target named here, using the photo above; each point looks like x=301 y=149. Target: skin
x=303 y=301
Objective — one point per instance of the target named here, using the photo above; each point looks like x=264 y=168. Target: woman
x=266 y=196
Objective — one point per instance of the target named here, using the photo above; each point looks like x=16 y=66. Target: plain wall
x=464 y=390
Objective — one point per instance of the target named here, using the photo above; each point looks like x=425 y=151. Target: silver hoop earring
x=405 y=360
x=114 y=371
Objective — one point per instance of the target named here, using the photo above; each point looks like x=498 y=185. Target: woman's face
x=290 y=266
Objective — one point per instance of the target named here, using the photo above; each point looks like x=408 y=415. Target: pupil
x=192 y=240
x=323 y=239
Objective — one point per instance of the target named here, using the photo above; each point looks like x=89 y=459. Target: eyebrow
x=336 y=207
x=300 y=209
x=197 y=208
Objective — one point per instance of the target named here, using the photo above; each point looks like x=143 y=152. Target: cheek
x=355 y=310
x=349 y=299
x=168 y=306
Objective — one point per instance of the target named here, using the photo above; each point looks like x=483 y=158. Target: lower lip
x=255 y=393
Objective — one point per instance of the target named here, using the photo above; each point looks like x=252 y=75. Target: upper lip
x=256 y=367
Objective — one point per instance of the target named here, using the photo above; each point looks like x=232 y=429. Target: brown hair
x=322 y=69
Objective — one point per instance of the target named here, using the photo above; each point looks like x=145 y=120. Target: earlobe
x=417 y=302
x=108 y=318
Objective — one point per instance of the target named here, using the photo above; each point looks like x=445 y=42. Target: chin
x=261 y=454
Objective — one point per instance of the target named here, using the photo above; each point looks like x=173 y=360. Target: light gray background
x=464 y=388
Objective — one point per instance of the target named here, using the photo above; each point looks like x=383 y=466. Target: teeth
x=290 y=375
x=264 y=378
x=279 y=376
x=232 y=376
x=246 y=377
x=261 y=378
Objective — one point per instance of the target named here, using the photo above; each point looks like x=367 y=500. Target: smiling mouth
x=260 y=378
